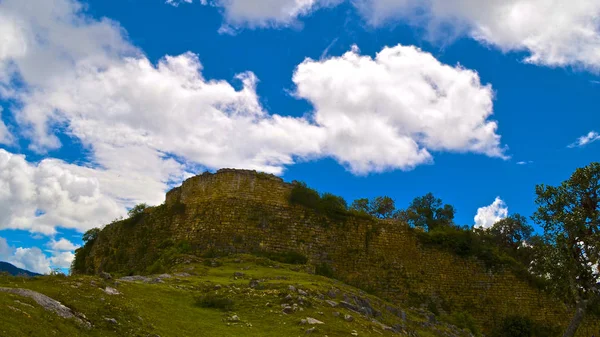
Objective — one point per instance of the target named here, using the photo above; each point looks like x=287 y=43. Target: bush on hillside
x=330 y=205
x=213 y=301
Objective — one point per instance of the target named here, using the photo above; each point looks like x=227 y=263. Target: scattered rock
x=303 y=322
x=105 y=275
x=292 y=288
x=111 y=320
x=333 y=304
x=234 y=318
x=302 y=292
x=313 y=321
x=332 y=293
x=289 y=297
x=254 y=283
x=135 y=278
x=348 y=306
x=238 y=274
x=217 y=287
x=348 y=318
x=337 y=314
x=287 y=310
x=48 y=303
x=182 y=275
x=311 y=330
x=162 y=276
x=354 y=333
x=111 y=291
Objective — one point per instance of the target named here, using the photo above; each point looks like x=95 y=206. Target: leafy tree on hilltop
x=137 y=210
x=427 y=212
x=511 y=232
x=381 y=207
x=570 y=216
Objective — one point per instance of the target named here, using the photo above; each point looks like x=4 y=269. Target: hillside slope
x=235 y=211
x=237 y=295
x=12 y=270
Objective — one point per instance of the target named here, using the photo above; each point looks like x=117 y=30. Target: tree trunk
x=577 y=318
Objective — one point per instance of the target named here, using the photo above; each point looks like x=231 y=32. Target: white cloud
x=5 y=135
x=525 y=162
x=487 y=216
x=176 y=3
x=554 y=33
x=147 y=125
x=386 y=112
x=264 y=13
x=62 y=259
x=65 y=195
x=33 y=259
x=62 y=245
x=591 y=137
x=5 y=249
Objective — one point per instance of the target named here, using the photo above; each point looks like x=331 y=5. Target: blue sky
x=106 y=104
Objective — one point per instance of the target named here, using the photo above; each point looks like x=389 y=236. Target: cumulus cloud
x=62 y=260
x=149 y=125
x=264 y=13
x=554 y=33
x=487 y=216
x=591 y=137
x=61 y=245
x=386 y=112
x=32 y=259
x=40 y=197
x=5 y=135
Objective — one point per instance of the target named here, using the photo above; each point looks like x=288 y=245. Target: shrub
x=463 y=320
x=290 y=257
x=330 y=205
x=214 y=301
x=137 y=210
x=515 y=326
x=304 y=195
x=324 y=269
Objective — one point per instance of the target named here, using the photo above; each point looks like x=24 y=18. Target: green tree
x=137 y=210
x=511 y=232
x=361 y=205
x=427 y=212
x=91 y=235
x=381 y=207
x=570 y=216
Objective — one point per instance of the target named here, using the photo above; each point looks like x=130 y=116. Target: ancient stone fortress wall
x=245 y=211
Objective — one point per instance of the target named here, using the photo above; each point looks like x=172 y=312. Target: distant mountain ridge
x=7 y=267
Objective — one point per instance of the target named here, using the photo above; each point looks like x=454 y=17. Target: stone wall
x=244 y=211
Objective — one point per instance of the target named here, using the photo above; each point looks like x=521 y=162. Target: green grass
x=191 y=305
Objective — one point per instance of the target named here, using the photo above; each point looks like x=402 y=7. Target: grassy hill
x=230 y=296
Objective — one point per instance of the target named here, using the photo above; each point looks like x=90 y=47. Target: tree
x=381 y=207
x=570 y=216
x=511 y=232
x=137 y=210
x=91 y=235
x=361 y=206
x=427 y=212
